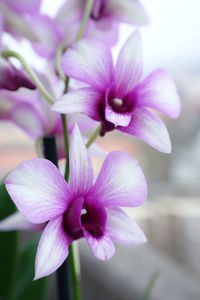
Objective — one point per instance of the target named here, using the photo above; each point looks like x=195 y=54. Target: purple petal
x=158 y=91
x=89 y=61
x=48 y=35
x=71 y=11
x=128 y=70
x=84 y=100
x=149 y=128
x=28 y=119
x=118 y=119
x=17 y=222
x=52 y=249
x=38 y=190
x=106 y=29
x=102 y=248
x=12 y=78
x=24 y=6
x=121 y=182
x=81 y=173
x=122 y=228
x=129 y=11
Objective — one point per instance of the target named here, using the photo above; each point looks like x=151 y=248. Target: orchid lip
x=83 y=215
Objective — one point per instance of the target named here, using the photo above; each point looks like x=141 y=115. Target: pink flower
x=116 y=95
x=15 y=15
x=11 y=78
x=105 y=17
x=81 y=208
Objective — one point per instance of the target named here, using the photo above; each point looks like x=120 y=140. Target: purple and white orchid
x=105 y=17
x=80 y=208
x=116 y=95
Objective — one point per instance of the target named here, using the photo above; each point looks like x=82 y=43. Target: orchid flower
x=11 y=78
x=79 y=208
x=15 y=15
x=116 y=95
x=105 y=17
x=103 y=23
x=32 y=113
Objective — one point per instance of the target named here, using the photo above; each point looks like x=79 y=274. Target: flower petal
x=28 y=119
x=105 y=29
x=52 y=249
x=129 y=11
x=122 y=228
x=121 y=182
x=158 y=91
x=89 y=61
x=48 y=35
x=38 y=190
x=102 y=248
x=84 y=100
x=149 y=128
x=118 y=119
x=17 y=222
x=24 y=6
x=81 y=172
x=128 y=70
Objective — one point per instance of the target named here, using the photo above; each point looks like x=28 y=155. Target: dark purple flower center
x=84 y=215
x=98 y=9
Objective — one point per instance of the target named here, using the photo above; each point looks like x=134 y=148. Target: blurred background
x=171 y=216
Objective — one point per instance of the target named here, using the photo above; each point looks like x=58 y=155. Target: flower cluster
x=87 y=89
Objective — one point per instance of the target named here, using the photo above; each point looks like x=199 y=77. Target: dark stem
x=63 y=280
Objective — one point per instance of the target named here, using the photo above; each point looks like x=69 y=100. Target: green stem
x=61 y=49
x=75 y=272
x=66 y=140
x=86 y=15
x=9 y=53
x=94 y=136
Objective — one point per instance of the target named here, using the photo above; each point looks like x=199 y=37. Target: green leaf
x=8 y=247
x=26 y=288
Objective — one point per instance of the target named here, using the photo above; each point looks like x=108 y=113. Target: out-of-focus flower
x=105 y=17
x=32 y=113
x=103 y=23
x=12 y=79
x=115 y=95
x=15 y=16
x=80 y=208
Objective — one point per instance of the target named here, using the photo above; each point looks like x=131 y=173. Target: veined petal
x=38 y=190
x=89 y=61
x=17 y=222
x=81 y=173
x=122 y=228
x=149 y=128
x=118 y=119
x=52 y=249
x=84 y=100
x=128 y=70
x=129 y=11
x=158 y=91
x=121 y=182
x=102 y=248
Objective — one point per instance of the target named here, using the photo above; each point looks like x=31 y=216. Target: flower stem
x=94 y=136
x=9 y=53
x=86 y=15
x=50 y=153
x=66 y=140
x=75 y=272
